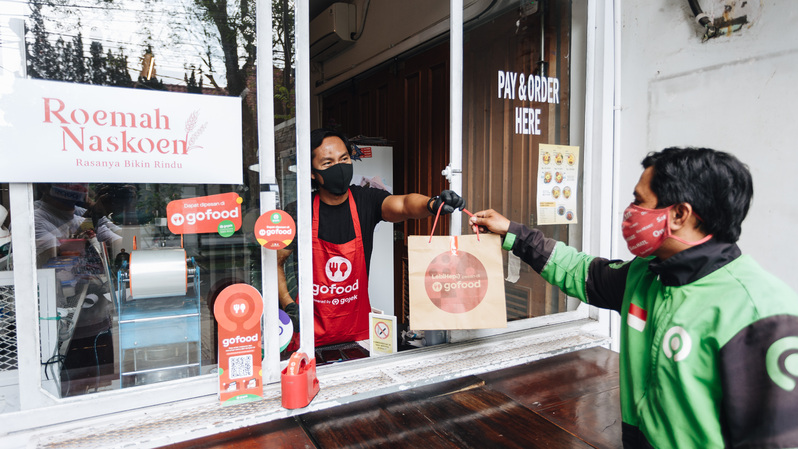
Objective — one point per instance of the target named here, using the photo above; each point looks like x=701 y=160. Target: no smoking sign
x=381 y=330
x=382 y=339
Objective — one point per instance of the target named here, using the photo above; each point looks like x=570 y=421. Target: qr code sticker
x=241 y=366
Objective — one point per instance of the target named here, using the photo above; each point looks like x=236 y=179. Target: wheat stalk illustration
x=194 y=137
x=191 y=122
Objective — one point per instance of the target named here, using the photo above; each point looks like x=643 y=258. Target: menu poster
x=558 y=175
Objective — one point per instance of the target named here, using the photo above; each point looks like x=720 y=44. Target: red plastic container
x=298 y=381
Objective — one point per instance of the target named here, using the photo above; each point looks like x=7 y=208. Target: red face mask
x=646 y=229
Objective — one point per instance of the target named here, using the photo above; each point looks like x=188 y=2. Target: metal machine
x=157 y=298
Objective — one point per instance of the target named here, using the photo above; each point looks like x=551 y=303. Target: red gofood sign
x=206 y=214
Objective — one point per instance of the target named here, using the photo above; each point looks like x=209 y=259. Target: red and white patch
x=636 y=318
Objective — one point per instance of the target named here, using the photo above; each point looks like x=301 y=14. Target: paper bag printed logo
x=338 y=269
x=456 y=283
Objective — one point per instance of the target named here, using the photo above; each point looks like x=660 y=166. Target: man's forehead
x=331 y=147
x=643 y=186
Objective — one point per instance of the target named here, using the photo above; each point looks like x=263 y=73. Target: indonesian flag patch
x=636 y=318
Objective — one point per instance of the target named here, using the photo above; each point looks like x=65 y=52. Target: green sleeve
x=567 y=268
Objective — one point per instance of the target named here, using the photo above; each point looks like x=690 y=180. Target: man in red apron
x=344 y=217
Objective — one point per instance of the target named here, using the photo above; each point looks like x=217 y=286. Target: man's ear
x=680 y=214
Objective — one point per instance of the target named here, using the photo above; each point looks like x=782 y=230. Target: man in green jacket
x=709 y=339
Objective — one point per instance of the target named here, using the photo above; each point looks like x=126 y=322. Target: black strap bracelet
x=429 y=204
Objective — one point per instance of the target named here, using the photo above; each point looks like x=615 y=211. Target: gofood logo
x=193 y=218
x=338 y=269
x=239 y=339
x=207 y=214
x=449 y=286
x=456 y=282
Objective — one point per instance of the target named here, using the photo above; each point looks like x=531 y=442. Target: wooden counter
x=566 y=401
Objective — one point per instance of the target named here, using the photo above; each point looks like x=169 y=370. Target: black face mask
x=336 y=178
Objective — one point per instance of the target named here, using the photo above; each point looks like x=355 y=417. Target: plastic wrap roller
x=157 y=273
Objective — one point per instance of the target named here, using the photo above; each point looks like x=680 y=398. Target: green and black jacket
x=709 y=341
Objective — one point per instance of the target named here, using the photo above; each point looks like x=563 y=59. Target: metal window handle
x=450 y=172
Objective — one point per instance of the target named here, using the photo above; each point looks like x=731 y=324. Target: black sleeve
x=531 y=246
x=759 y=378
x=606 y=283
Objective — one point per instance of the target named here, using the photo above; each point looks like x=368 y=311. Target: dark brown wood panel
x=578 y=391
x=595 y=418
x=446 y=415
x=557 y=379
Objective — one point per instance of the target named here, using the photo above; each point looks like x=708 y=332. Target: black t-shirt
x=335 y=222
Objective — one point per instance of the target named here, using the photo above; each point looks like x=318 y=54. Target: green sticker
x=241 y=398
x=226 y=228
x=276 y=218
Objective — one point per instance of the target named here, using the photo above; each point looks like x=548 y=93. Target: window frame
x=39 y=408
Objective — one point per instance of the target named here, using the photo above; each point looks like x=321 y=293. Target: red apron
x=340 y=285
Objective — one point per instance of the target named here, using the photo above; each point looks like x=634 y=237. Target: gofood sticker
x=205 y=214
x=238 y=310
x=275 y=229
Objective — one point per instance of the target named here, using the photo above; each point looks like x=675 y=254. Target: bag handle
x=438 y=214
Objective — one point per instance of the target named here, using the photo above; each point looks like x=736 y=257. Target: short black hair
x=317 y=136
x=716 y=184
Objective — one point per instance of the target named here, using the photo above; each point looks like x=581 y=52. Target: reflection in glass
x=88 y=234
x=135 y=299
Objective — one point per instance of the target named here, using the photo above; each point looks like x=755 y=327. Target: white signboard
x=66 y=132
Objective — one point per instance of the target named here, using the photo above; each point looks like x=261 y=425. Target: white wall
x=737 y=94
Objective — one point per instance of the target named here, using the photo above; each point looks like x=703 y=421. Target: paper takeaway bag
x=456 y=282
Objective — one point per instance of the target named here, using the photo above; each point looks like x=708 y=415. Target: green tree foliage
x=97 y=66
x=283 y=40
x=234 y=22
x=235 y=25
x=192 y=85
x=78 y=59
x=41 y=54
x=65 y=60
x=118 y=74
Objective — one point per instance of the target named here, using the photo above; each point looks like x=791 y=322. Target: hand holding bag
x=456 y=282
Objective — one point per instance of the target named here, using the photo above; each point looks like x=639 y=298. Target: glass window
x=517 y=97
x=406 y=103
x=133 y=299
x=131 y=302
